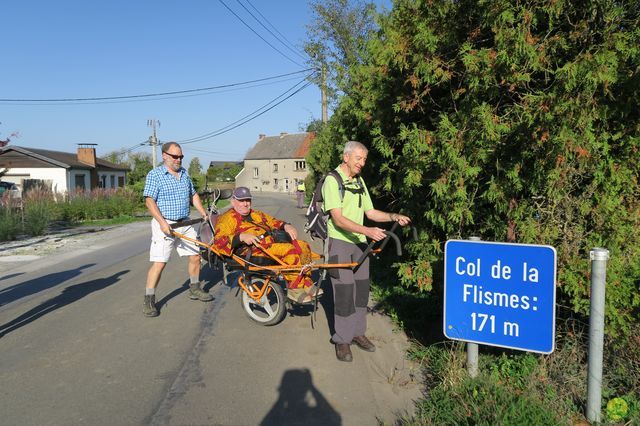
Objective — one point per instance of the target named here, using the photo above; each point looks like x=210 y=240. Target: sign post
x=500 y=294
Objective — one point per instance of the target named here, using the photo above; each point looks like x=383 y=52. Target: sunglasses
x=175 y=157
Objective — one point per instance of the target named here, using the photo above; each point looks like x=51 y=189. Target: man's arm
x=197 y=203
x=380 y=216
x=347 y=224
x=155 y=212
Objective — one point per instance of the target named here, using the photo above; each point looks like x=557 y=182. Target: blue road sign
x=500 y=294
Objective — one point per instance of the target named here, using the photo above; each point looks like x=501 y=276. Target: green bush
x=10 y=223
x=37 y=216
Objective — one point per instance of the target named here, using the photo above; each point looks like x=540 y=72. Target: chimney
x=87 y=155
x=261 y=136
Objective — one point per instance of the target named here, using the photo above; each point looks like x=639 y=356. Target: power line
x=270 y=24
x=231 y=126
x=159 y=98
x=177 y=92
x=249 y=117
x=256 y=33
x=268 y=30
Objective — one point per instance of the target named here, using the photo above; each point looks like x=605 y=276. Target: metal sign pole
x=472 y=348
x=599 y=257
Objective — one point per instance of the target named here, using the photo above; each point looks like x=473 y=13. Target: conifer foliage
x=513 y=121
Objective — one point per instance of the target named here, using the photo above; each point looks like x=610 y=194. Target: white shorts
x=162 y=245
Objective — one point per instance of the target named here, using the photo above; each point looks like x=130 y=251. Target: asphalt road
x=75 y=348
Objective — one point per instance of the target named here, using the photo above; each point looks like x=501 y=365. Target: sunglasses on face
x=175 y=157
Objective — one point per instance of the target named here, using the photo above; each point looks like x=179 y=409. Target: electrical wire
x=269 y=31
x=272 y=26
x=150 y=95
x=249 y=117
x=256 y=33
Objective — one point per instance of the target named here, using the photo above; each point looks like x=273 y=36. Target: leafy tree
x=115 y=157
x=337 y=38
x=195 y=169
x=225 y=172
x=507 y=120
x=140 y=164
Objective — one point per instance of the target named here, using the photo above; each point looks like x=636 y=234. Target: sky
x=79 y=49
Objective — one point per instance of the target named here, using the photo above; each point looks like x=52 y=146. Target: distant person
x=241 y=227
x=168 y=192
x=300 y=194
x=347 y=241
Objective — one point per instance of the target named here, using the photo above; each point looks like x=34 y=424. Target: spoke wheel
x=270 y=309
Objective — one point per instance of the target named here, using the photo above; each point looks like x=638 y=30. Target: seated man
x=241 y=225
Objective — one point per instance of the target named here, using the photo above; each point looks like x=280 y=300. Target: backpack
x=317 y=218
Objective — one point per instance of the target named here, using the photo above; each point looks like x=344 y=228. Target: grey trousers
x=350 y=291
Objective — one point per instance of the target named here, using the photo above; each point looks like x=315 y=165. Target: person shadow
x=209 y=275
x=27 y=288
x=300 y=403
x=69 y=295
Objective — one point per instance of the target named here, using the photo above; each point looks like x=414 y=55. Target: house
x=60 y=171
x=276 y=163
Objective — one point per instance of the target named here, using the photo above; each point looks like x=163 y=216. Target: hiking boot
x=149 y=308
x=343 y=352
x=197 y=293
x=364 y=343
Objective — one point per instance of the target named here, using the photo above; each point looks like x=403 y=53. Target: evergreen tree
x=514 y=121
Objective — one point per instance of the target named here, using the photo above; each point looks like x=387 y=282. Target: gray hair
x=166 y=146
x=351 y=146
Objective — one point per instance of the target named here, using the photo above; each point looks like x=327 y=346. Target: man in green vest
x=347 y=239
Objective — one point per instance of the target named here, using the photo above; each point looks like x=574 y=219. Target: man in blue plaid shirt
x=168 y=192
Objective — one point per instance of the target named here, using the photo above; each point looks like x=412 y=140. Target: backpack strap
x=338 y=179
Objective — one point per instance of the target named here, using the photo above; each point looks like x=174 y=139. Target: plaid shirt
x=170 y=194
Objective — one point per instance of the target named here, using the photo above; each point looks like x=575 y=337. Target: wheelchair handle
x=390 y=234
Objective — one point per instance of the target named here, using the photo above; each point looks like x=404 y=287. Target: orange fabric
x=298 y=252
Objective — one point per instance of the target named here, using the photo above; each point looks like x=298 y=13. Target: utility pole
x=153 y=140
x=323 y=90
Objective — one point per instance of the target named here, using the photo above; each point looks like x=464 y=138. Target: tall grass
x=41 y=207
x=513 y=387
x=10 y=223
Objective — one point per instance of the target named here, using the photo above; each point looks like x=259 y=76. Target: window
x=113 y=181
x=300 y=165
x=120 y=181
x=255 y=172
x=102 y=181
x=275 y=168
x=79 y=182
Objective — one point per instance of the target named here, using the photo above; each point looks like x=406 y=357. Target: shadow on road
x=300 y=403
x=27 y=288
x=6 y=277
x=69 y=295
x=211 y=276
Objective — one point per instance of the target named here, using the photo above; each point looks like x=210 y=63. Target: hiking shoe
x=364 y=343
x=343 y=352
x=197 y=293
x=149 y=308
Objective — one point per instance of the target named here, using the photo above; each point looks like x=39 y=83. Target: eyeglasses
x=175 y=157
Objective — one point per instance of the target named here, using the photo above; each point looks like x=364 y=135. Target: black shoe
x=364 y=343
x=343 y=352
x=149 y=308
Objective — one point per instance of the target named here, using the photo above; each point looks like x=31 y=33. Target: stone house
x=276 y=163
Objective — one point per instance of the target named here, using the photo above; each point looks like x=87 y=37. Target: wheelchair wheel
x=271 y=308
